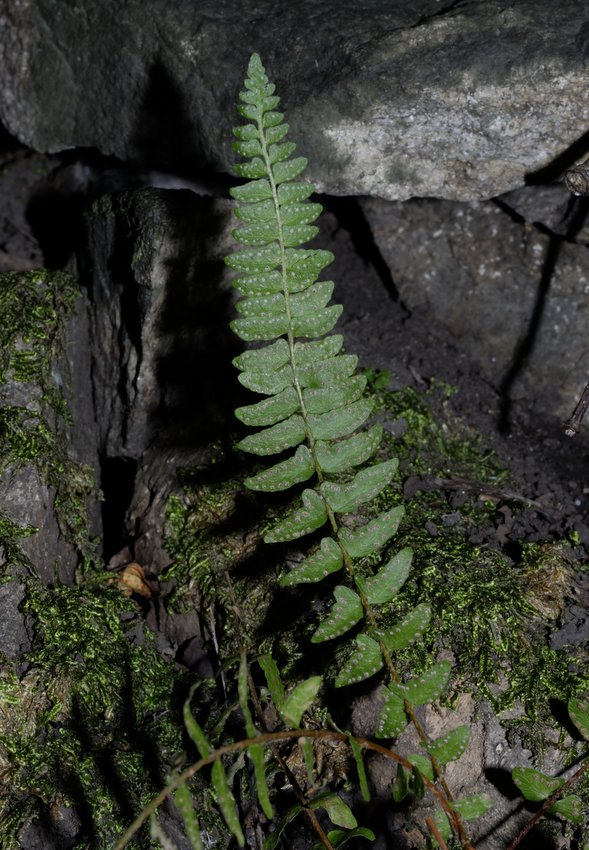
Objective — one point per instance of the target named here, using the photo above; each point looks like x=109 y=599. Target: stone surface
x=161 y=343
x=457 y=100
x=513 y=297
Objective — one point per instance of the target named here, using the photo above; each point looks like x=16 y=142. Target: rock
x=46 y=467
x=394 y=100
x=161 y=343
x=513 y=297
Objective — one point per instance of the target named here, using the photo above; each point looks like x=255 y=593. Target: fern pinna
x=315 y=404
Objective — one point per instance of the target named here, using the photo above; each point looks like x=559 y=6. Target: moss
x=34 y=419
x=95 y=721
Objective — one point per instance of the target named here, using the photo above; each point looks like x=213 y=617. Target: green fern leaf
x=271 y=410
x=183 y=800
x=330 y=398
x=260 y=327
x=296 y=214
x=579 y=713
x=261 y=261
x=255 y=751
x=286 y=171
x=343 y=455
x=226 y=801
x=383 y=586
x=194 y=730
x=316 y=354
x=345 y=613
x=372 y=536
x=277 y=438
x=451 y=745
x=392 y=718
x=423 y=764
x=364 y=662
x=299 y=700
x=359 y=761
x=273 y=680
x=338 y=812
x=326 y=559
x=427 y=687
x=408 y=630
x=264 y=360
x=299 y=467
x=328 y=372
x=257 y=190
x=291 y=193
x=340 y=423
x=319 y=324
x=267 y=383
x=263 y=211
x=535 y=786
x=368 y=483
x=472 y=807
x=301 y=521
x=264 y=283
x=570 y=808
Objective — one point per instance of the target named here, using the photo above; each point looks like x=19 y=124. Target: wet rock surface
x=459 y=100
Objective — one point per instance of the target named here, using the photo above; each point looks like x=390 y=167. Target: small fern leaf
x=368 y=483
x=314 y=298
x=296 y=214
x=331 y=426
x=345 y=613
x=319 y=324
x=194 y=729
x=262 y=233
x=277 y=438
x=298 y=234
x=316 y=353
x=268 y=359
x=338 y=812
x=183 y=800
x=472 y=807
x=443 y=825
x=290 y=193
x=579 y=713
x=255 y=751
x=451 y=745
x=326 y=559
x=301 y=521
x=570 y=808
x=259 y=213
x=327 y=373
x=260 y=328
x=303 y=265
x=423 y=764
x=535 y=786
x=299 y=467
x=226 y=801
x=427 y=687
x=262 y=305
x=267 y=383
x=255 y=190
x=279 y=153
x=284 y=172
x=383 y=586
x=259 y=284
x=372 y=536
x=408 y=630
x=392 y=718
x=361 y=769
x=330 y=398
x=258 y=261
x=270 y=410
x=273 y=680
x=341 y=456
x=299 y=700
x=364 y=662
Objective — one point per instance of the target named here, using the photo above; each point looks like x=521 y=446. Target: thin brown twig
x=269 y=738
x=573 y=425
x=429 y=822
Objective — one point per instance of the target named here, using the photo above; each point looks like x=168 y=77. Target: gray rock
x=14 y=636
x=161 y=343
x=470 y=270
x=391 y=99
